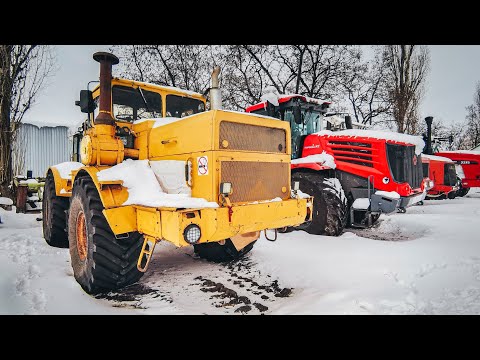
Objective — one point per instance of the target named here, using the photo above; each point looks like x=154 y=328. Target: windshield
x=311 y=124
x=131 y=104
x=180 y=106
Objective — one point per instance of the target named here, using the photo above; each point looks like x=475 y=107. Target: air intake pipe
x=215 y=91
x=428 y=148
x=106 y=61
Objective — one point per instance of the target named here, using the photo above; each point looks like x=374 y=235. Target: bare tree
x=23 y=72
x=184 y=66
x=365 y=88
x=472 y=136
x=408 y=66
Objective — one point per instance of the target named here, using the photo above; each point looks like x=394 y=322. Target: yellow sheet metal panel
x=61 y=183
x=189 y=135
x=121 y=219
x=240 y=241
x=171 y=226
x=148 y=222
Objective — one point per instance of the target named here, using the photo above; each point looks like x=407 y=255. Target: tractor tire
x=452 y=195
x=53 y=215
x=462 y=192
x=329 y=204
x=218 y=253
x=100 y=261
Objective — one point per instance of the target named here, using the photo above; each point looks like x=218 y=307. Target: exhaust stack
x=428 y=148
x=215 y=91
x=106 y=61
x=348 y=122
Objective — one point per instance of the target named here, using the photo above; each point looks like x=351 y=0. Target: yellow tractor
x=155 y=165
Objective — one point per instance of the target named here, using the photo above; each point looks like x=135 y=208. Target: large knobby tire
x=329 y=203
x=54 y=217
x=100 y=262
x=216 y=252
x=462 y=192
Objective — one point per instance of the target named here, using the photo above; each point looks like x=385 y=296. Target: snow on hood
x=323 y=158
x=144 y=189
x=438 y=158
x=377 y=134
x=66 y=167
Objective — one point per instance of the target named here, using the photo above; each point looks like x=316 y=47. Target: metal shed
x=37 y=147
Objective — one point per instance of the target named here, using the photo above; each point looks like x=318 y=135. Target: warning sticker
x=202 y=163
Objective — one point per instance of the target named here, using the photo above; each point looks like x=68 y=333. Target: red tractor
x=468 y=168
x=441 y=171
x=467 y=162
x=354 y=174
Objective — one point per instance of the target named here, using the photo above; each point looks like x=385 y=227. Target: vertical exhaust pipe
x=106 y=61
x=348 y=122
x=429 y=149
x=215 y=91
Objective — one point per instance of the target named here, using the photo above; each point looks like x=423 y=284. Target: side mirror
x=86 y=102
x=297 y=114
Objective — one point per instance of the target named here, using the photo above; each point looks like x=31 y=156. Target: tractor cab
x=305 y=115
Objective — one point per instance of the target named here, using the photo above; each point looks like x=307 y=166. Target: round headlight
x=192 y=233
x=386 y=180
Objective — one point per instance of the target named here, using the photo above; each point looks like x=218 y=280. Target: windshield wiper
x=145 y=101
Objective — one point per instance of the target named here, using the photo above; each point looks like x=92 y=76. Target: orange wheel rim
x=81 y=236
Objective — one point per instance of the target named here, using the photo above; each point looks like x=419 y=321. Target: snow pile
x=5 y=201
x=377 y=134
x=171 y=176
x=144 y=189
x=66 y=168
x=437 y=158
x=388 y=194
x=323 y=158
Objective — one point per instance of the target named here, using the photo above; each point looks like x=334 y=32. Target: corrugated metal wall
x=42 y=147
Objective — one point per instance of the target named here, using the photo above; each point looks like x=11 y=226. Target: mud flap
x=240 y=241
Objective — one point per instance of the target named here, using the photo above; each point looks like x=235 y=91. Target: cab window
x=130 y=104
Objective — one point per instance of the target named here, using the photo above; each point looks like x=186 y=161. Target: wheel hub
x=81 y=235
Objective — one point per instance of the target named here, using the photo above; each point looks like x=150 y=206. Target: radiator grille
x=256 y=181
x=246 y=137
x=352 y=152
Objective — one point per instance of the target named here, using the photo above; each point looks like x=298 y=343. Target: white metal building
x=37 y=147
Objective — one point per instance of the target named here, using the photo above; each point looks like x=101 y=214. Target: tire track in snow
x=179 y=279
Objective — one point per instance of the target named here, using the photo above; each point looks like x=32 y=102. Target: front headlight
x=192 y=233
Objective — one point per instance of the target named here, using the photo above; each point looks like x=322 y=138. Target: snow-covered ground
x=426 y=261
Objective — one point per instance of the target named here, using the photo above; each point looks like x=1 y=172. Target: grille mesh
x=246 y=137
x=256 y=181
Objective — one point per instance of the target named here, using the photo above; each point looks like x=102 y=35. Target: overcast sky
x=454 y=72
